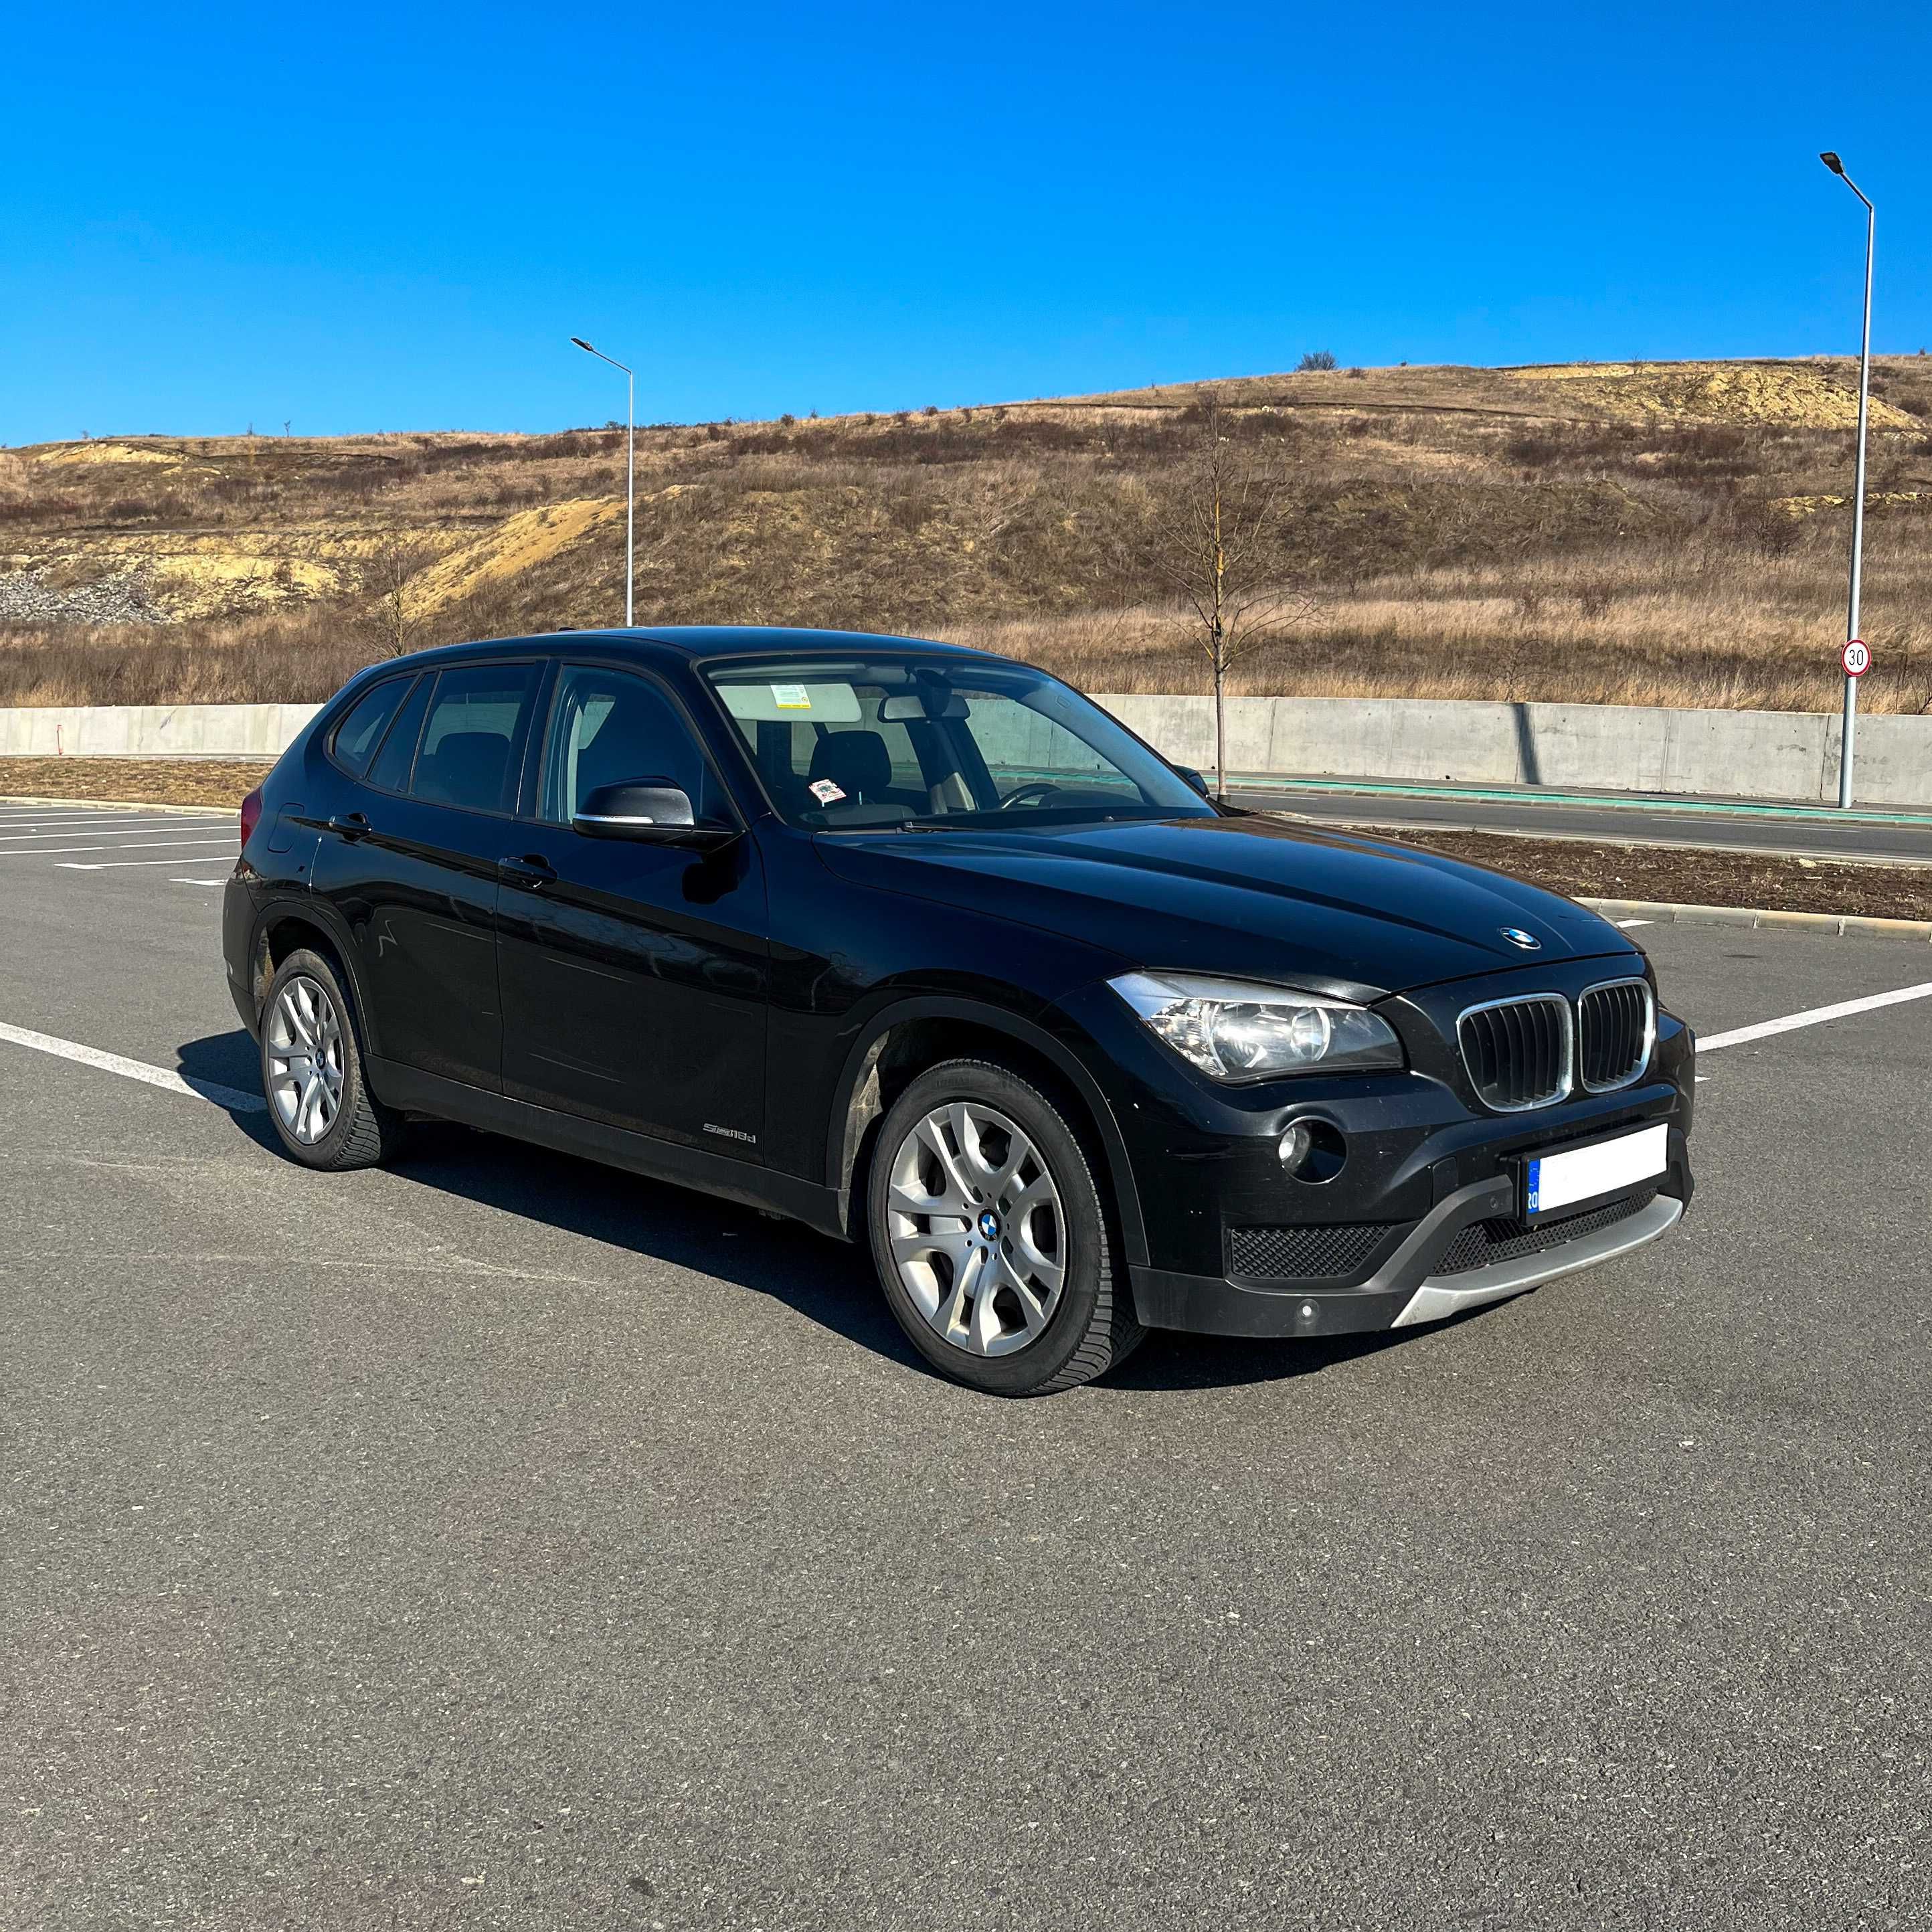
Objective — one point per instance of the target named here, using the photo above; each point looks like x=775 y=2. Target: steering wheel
x=1028 y=794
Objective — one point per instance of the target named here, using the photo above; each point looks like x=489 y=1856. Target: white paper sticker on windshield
x=791 y=697
x=825 y=791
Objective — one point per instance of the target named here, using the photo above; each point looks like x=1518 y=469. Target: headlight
x=1237 y=1031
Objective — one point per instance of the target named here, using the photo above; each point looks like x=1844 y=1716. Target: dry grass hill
x=1668 y=533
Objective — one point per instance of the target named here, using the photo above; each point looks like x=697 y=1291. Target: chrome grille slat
x=1616 y=1029
x=1519 y=1053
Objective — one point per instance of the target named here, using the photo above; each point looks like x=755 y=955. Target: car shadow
x=830 y=1283
x=1171 y=1361
x=219 y=1060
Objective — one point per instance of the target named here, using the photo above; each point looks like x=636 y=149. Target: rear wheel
x=312 y=1070
x=991 y=1237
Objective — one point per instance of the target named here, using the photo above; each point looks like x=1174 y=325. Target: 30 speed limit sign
x=1856 y=658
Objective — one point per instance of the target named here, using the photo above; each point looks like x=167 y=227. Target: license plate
x=1554 y=1181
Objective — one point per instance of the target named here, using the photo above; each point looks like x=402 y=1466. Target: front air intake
x=1519 y=1053
x=1616 y=1026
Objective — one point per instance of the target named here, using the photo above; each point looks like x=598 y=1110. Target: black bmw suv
x=918 y=946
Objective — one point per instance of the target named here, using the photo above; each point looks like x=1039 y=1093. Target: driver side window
x=613 y=728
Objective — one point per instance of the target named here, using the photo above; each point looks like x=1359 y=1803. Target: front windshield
x=847 y=744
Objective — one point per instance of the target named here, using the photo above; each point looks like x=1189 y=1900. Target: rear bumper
x=1406 y=1290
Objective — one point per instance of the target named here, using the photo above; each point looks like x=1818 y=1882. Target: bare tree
x=1215 y=550
x=391 y=615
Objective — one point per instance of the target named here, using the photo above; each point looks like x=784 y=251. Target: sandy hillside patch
x=530 y=537
x=1889 y=499
x=213 y=578
x=1794 y=395
x=71 y=454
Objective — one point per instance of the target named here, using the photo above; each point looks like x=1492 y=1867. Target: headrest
x=857 y=762
x=466 y=768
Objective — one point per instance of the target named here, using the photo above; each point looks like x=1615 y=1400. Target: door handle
x=528 y=871
x=351 y=825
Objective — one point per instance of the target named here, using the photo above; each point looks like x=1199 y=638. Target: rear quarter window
x=356 y=737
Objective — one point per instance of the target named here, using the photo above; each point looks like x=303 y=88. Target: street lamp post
x=1837 y=167
x=630 y=470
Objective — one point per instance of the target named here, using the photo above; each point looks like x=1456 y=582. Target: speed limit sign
x=1856 y=658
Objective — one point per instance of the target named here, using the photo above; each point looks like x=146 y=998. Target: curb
x=1834 y=925
x=120 y=804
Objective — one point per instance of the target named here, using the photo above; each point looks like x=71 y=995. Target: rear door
x=634 y=974
x=412 y=868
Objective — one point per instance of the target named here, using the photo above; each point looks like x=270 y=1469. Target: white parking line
x=135 y=1070
x=197 y=882
x=1624 y=925
x=108 y=842
x=73 y=828
x=114 y=865
x=147 y=845
x=1817 y=1016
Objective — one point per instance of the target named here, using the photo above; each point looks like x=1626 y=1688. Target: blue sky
x=357 y=218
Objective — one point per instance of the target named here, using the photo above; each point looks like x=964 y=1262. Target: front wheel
x=991 y=1235
x=312 y=1069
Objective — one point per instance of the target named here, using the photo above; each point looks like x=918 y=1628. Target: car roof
x=694 y=641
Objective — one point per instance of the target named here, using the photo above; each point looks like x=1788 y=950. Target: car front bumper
x=1412 y=1286
x=1422 y=1219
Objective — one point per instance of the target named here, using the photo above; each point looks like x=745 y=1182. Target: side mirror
x=1194 y=778
x=656 y=810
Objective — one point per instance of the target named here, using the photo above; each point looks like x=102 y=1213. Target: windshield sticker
x=791 y=697
x=826 y=792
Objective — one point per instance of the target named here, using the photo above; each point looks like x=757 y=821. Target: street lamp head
x=583 y=345
x=1832 y=162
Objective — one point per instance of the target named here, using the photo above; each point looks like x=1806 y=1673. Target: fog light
x=1312 y=1151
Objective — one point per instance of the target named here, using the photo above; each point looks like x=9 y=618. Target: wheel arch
x=286 y=926
x=904 y=1039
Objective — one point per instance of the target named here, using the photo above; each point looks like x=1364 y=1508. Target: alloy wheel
x=977 y=1231
x=305 y=1060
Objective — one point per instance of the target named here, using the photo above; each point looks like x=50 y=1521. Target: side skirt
x=409 y=1090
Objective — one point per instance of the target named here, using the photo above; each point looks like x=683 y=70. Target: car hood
x=1246 y=895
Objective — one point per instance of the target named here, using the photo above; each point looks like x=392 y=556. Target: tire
x=1033 y=1225
x=318 y=1101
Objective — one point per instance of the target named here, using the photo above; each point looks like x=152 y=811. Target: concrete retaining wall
x=1584 y=747
x=179 y=730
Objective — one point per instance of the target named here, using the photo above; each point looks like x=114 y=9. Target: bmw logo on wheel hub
x=989 y=1226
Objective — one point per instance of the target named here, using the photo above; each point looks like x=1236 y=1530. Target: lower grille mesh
x=1343 y=1249
x=1490 y=1241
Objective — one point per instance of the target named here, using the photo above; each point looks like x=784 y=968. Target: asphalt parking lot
x=499 y=1541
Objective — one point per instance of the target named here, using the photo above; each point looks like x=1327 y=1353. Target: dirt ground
x=1667 y=874
x=133 y=781
x=1672 y=876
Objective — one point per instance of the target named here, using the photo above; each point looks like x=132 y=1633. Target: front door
x=411 y=868
x=633 y=975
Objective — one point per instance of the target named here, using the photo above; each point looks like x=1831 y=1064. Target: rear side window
x=472 y=739
x=391 y=771
x=358 y=734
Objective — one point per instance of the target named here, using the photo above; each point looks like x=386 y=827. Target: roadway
x=498 y=1540
x=1728 y=825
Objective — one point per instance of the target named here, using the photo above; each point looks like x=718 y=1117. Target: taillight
x=251 y=811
